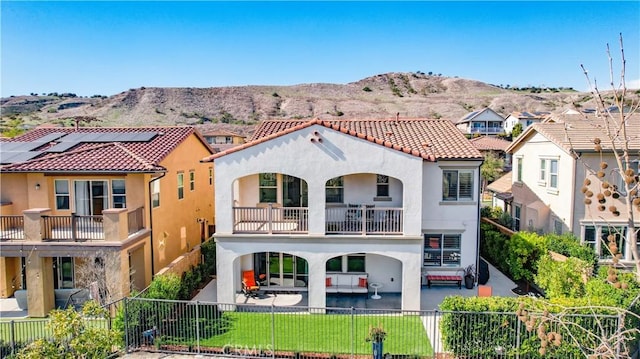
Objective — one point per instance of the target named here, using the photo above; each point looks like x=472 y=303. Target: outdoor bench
x=444 y=278
x=347 y=283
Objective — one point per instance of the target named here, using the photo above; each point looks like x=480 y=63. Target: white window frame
x=155 y=193
x=454 y=253
x=192 y=180
x=336 y=184
x=553 y=174
x=62 y=194
x=542 y=179
x=269 y=187
x=115 y=195
x=517 y=216
x=457 y=197
x=180 y=185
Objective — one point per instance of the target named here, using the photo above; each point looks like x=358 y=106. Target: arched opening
x=280 y=271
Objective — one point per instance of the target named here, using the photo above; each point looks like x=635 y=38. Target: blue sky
x=108 y=47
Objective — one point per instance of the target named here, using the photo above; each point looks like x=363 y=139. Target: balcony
x=270 y=219
x=483 y=129
x=364 y=220
x=347 y=220
x=73 y=228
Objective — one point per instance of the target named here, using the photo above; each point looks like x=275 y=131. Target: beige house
x=483 y=122
x=551 y=161
x=101 y=209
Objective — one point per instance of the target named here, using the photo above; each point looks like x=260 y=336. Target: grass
x=324 y=333
x=29 y=329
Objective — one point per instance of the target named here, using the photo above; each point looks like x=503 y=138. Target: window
x=62 y=194
x=619 y=175
x=382 y=186
x=557 y=226
x=63 y=273
x=210 y=175
x=118 y=194
x=590 y=237
x=553 y=174
x=441 y=250
x=334 y=264
x=618 y=233
x=334 y=190
x=519 y=173
x=192 y=180
x=457 y=185
x=155 y=193
x=517 y=213
x=543 y=170
x=268 y=188
x=355 y=263
x=180 y=185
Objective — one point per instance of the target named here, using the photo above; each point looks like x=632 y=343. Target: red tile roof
x=107 y=156
x=490 y=143
x=426 y=138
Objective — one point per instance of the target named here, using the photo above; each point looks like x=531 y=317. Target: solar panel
x=62 y=146
x=16 y=157
x=50 y=137
x=72 y=137
x=19 y=146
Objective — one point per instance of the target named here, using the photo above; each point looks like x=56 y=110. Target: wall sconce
x=37 y=186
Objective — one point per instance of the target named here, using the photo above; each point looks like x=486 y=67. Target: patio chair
x=249 y=285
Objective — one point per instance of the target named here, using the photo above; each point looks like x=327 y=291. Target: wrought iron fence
x=12 y=227
x=73 y=228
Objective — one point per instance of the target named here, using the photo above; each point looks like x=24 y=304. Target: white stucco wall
x=561 y=202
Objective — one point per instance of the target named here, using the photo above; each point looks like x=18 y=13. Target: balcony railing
x=487 y=130
x=12 y=228
x=135 y=220
x=365 y=220
x=270 y=219
x=73 y=228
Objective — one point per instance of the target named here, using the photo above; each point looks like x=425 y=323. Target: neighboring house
x=500 y=191
x=483 y=122
x=548 y=177
x=316 y=205
x=524 y=118
x=221 y=140
x=487 y=144
x=73 y=194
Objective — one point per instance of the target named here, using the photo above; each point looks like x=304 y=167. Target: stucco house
x=483 y=122
x=551 y=161
x=524 y=118
x=220 y=139
x=311 y=205
x=108 y=206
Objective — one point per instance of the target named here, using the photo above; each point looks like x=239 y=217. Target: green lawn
x=326 y=333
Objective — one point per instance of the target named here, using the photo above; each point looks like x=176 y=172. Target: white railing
x=270 y=219
x=364 y=219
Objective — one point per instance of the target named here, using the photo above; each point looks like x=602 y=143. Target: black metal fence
x=246 y=330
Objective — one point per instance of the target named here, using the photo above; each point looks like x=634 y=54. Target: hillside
x=380 y=96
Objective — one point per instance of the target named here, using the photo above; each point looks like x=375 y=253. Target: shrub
x=166 y=286
x=569 y=245
x=562 y=278
x=522 y=254
x=366 y=89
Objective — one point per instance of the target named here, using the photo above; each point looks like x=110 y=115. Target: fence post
x=273 y=331
x=13 y=337
x=518 y=337
x=126 y=326
x=74 y=227
x=353 y=351
x=197 y=327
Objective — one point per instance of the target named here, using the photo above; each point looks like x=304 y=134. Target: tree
x=75 y=335
x=615 y=185
x=516 y=131
x=491 y=169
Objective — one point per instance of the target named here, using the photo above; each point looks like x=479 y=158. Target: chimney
x=397 y=116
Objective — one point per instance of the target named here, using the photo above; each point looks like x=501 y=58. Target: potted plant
x=469 y=276
x=376 y=336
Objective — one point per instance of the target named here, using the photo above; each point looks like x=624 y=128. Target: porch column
x=316 y=217
x=33 y=228
x=40 y=294
x=115 y=224
x=9 y=277
x=116 y=272
x=411 y=281
x=225 y=269
x=317 y=295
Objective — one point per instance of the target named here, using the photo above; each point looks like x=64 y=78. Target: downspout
x=480 y=195
x=153 y=271
x=572 y=214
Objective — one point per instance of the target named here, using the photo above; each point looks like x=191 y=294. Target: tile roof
x=531 y=115
x=490 y=143
x=426 y=138
x=501 y=185
x=122 y=156
x=578 y=133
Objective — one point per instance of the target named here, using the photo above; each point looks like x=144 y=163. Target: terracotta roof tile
x=426 y=138
x=490 y=143
x=578 y=132
x=502 y=184
x=108 y=156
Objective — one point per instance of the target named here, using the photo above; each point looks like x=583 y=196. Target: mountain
x=239 y=107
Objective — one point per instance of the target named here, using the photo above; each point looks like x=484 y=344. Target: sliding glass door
x=91 y=197
x=275 y=269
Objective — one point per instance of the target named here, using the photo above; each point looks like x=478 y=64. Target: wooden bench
x=444 y=278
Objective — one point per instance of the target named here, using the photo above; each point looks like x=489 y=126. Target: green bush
x=562 y=278
x=166 y=286
x=522 y=254
x=569 y=245
x=493 y=245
